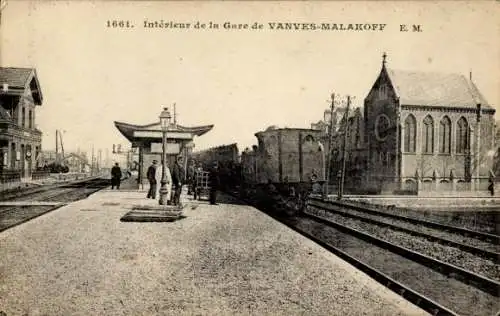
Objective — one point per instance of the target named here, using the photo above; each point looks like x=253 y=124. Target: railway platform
x=226 y=259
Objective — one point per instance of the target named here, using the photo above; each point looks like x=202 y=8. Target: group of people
x=174 y=180
x=177 y=178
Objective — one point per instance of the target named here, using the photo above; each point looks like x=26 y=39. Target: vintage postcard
x=142 y=142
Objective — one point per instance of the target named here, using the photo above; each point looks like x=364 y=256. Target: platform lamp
x=164 y=123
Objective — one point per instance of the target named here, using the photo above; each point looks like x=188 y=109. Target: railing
x=40 y=174
x=8 y=176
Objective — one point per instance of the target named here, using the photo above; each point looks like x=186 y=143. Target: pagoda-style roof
x=153 y=131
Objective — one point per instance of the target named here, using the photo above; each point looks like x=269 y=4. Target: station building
x=147 y=140
x=20 y=139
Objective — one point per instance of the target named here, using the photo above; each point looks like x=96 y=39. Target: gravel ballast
x=227 y=259
x=450 y=293
x=441 y=252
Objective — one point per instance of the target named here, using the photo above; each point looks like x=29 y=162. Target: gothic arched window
x=462 y=136
x=445 y=135
x=428 y=135
x=410 y=134
x=23 y=118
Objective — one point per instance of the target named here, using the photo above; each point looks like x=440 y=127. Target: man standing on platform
x=116 y=176
x=177 y=180
x=190 y=177
x=213 y=178
x=151 y=175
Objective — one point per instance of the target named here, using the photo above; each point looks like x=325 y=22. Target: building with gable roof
x=20 y=139
x=429 y=131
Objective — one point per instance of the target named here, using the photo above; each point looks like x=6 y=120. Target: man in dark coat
x=177 y=180
x=213 y=178
x=151 y=175
x=190 y=177
x=116 y=176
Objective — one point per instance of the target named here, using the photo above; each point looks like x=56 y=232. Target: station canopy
x=139 y=135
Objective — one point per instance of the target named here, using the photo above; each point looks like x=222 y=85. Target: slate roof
x=436 y=89
x=19 y=78
x=15 y=77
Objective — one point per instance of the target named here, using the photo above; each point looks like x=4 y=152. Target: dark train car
x=228 y=161
x=240 y=175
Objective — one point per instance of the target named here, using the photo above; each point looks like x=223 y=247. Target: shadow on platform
x=222 y=198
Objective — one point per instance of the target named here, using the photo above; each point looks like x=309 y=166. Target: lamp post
x=164 y=122
x=344 y=149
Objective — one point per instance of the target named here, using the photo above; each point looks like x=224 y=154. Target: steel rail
x=85 y=184
x=483 y=283
x=464 y=231
x=402 y=290
x=494 y=256
x=9 y=196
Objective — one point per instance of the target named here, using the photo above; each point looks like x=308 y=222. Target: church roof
x=435 y=89
x=21 y=78
x=127 y=129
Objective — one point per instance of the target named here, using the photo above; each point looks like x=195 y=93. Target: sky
x=242 y=81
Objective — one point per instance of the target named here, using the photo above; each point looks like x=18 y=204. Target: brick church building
x=429 y=131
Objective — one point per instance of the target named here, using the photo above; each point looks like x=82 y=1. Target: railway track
x=437 y=287
x=37 y=193
x=55 y=197
x=372 y=211
x=484 y=249
x=411 y=275
x=481 y=282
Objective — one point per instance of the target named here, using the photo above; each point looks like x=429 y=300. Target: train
x=238 y=176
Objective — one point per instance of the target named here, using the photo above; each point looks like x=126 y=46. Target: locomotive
x=240 y=175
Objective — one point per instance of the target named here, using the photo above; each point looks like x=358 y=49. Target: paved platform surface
x=227 y=259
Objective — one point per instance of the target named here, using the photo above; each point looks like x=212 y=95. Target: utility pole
x=344 y=152
x=92 y=163
x=175 y=114
x=398 y=146
x=330 y=145
x=99 y=160
x=478 y=144
x=62 y=145
x=57 y=146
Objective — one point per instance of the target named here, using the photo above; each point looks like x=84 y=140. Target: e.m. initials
x=413 y=28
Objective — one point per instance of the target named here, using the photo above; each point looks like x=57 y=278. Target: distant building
x=428 y=130
x=20 y=140
x=75 y=161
